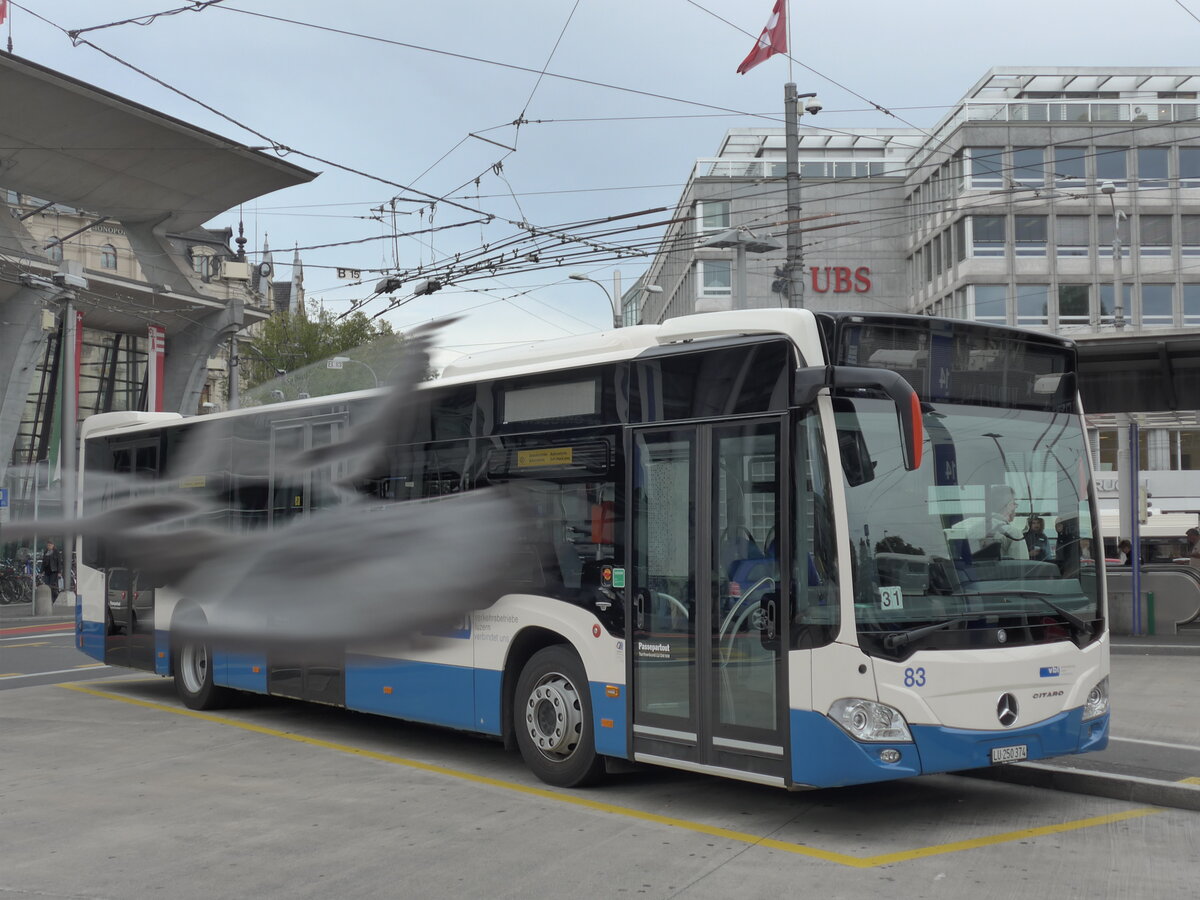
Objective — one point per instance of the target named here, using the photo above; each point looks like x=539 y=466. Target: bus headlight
x=866 y=720
x=1097 y=700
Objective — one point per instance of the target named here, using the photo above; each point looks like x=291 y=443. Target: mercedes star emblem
x=1006 y=710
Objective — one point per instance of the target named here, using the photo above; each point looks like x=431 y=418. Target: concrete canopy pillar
x=162 y=265
x=187 y=355
x=22 y=343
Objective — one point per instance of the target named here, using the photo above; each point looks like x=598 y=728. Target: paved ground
x=1154 y=754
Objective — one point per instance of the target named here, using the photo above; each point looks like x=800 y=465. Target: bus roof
x=625 y=343
x=613 y=345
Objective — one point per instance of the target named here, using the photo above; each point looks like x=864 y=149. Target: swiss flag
x=3 y=10
x=772 y=40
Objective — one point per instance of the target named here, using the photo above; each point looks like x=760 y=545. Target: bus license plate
x=1009 y=754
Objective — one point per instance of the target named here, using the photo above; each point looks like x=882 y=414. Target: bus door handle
x=639 y=608
x=769 y=621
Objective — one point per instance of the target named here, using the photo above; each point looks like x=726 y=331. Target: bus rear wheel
x=192 y=665
x=552 y=715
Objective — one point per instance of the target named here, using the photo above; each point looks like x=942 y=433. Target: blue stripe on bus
x=162 y=651
x=609 y=722
x=422 y=692
x=823 y=755
x=488 y=701
x=89 y=636
x=236 y=670
x=947 y=749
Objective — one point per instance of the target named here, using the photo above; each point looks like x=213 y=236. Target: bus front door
x=707 y=660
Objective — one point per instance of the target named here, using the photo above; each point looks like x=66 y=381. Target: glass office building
x=1063 y=199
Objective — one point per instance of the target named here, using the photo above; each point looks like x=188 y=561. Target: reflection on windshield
x=988 y=543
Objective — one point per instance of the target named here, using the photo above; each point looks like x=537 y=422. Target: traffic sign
x=3 y=497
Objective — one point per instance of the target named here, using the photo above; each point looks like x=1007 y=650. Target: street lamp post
x=646 y=289
x=742 y=241
x=616 y=313
x=1118 y=279
x=337 y=362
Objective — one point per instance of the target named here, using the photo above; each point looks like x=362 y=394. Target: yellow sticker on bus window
x=193 y=481
x=551 y=456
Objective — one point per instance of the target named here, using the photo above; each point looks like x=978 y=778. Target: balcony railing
x=1053 y=112
x=809 y=168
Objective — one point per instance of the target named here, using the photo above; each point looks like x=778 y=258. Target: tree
x=293 y=340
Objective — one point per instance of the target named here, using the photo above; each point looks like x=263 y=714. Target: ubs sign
x=840 y=279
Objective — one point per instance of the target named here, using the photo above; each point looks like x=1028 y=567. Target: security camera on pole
x=774 y=39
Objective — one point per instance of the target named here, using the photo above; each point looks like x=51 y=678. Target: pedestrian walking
x=52 y=568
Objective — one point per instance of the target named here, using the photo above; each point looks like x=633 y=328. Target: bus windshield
x=989 y=543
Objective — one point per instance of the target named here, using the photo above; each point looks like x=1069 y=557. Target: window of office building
x=960 y=238
x=1029 y=166
x=713 y=215
x=1191 y=304
x=958 y=304
x=1155 y=235
x=1074 y=304
x=108 y=257
x=990 y=300
x=1110 y=165
x=1152 y=168
x=54 y=251
x=1033 y=304
x=716 y=278
x=1189 y=166
x=987 y=236
x=1070 y=165
x=1071 y=235
x=1107 y=312
x=987 y=167
x=1189 y=235
x=1157 y=305
x=1029 y=235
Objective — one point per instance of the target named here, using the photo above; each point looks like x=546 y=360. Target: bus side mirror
x=809 y=383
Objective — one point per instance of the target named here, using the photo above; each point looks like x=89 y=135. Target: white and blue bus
x=780 y=546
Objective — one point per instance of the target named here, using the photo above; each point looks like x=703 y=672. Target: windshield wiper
x=1073 y=620
x=897 y=639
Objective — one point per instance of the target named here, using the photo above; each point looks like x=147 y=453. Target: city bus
x=764 y=547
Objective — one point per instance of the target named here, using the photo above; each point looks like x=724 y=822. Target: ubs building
x=1061 y=199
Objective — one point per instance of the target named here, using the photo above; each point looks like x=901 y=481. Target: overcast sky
x=588 y=151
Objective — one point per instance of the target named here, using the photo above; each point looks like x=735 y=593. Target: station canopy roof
x=72 y=143
x=1143 y=371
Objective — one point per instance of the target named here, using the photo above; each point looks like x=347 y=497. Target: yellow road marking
x=38 y=644
x=1195 y=779
x=10 y=674
x=858 y=862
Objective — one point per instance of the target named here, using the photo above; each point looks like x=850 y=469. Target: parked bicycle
x=16 y=586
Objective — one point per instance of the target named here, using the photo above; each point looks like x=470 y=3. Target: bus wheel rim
x=554 y=717
x=195 y=666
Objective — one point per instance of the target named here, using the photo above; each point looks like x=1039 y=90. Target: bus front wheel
x=552 y=715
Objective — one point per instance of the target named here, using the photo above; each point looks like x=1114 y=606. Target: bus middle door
x=315 y=672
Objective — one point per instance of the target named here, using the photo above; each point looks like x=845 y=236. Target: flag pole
x=787 y=14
